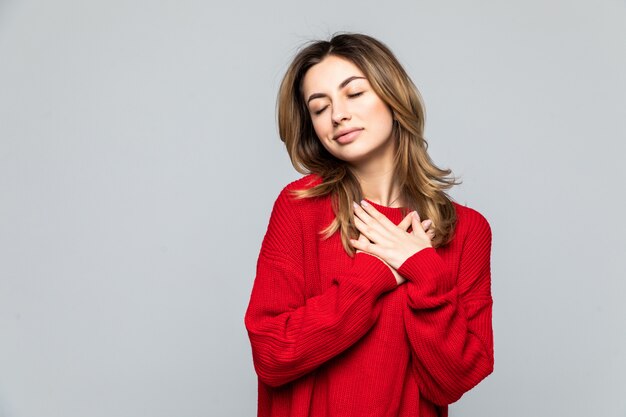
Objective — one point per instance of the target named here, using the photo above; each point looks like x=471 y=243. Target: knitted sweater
x=335 y=336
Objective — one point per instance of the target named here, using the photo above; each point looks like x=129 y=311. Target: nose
x=340 y=113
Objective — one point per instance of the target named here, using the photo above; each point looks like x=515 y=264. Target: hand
x=391 y=243
x=363 y=240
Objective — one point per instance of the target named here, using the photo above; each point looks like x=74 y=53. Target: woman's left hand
x=391 y=243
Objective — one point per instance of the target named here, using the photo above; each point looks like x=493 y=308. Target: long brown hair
x=421 y=182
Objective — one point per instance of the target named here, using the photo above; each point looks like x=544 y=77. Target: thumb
x=406 y=222
x=416 y=223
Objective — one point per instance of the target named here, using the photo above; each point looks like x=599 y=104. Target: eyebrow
x=342 y=85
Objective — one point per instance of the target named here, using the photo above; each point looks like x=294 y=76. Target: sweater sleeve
x=290 y=334
x=448 y=318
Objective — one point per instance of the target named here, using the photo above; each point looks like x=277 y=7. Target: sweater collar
x=395 y=214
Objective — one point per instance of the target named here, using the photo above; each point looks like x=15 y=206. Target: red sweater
x=335 y=336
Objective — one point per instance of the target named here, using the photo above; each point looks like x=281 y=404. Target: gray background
x=139 y=161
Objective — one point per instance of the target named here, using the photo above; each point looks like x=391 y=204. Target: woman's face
x=349 y=118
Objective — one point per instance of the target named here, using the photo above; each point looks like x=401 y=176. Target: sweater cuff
x=428 y=271
x=370 y=273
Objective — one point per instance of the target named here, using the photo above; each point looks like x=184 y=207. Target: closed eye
x=320 y=111
x=354 y=95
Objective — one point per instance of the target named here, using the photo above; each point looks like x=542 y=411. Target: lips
x=345 y=132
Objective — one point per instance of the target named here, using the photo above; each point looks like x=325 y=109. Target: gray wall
x=139 y=161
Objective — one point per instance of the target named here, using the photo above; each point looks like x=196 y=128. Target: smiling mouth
x=347 y=134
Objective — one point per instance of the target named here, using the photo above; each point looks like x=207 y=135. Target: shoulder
x=300 y=215
x=304 y=182
x=287 y=198
x=470 y=220
x=286 y=195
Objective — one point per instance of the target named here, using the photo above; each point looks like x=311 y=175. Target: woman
x=360 y=308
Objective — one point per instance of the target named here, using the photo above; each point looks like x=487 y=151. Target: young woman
x=373 y=293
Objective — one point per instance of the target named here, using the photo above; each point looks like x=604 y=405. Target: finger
x=375 y=225
x=406 y=222
x=362 y=244
x=416 y=224
x=431 y=234
x=359 y=211
x=426 y=224
x=375 y=214
x=358 y=243
x=361 y=214
x=367 y=230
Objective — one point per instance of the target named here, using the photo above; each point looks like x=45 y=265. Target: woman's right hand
x=399 y=278
x=404 y=224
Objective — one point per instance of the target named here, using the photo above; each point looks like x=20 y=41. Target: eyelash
x=355 y=95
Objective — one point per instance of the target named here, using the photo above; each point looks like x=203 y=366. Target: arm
x=290 y=334
x=448 y=318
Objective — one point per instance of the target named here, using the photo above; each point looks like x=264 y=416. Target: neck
x=378 y=185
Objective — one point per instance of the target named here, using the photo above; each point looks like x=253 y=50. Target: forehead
x=328 y=74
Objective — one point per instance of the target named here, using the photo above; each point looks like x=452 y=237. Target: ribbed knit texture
x=335 y=336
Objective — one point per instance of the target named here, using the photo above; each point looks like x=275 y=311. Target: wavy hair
x=423 y=185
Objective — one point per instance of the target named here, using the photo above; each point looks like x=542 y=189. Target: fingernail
x=354 y=204
x=364 y=203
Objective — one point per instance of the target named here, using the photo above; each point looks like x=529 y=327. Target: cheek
x=382 y=117
x=323 y=133
x=382 y=109
x=377 y=109
x=386 y=117
x=320 y=128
